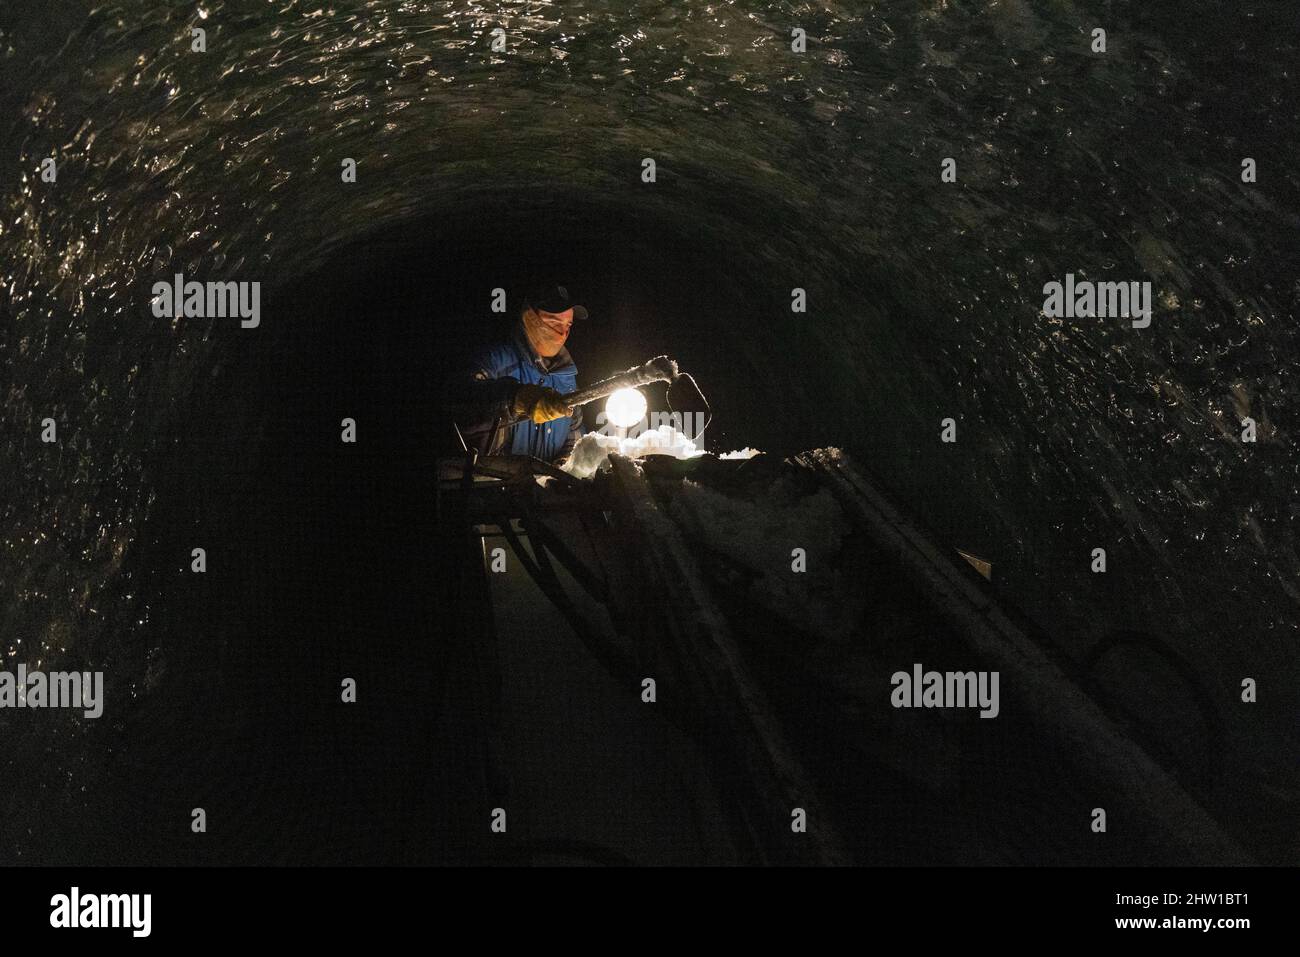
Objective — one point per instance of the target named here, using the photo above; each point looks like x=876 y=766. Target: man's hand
x=539 y=403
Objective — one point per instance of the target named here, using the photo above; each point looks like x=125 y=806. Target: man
x=526 y=375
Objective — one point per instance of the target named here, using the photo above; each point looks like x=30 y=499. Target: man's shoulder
x=498 y=355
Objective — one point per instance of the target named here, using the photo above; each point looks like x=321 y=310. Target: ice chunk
x=592 y=450
x=589 y=454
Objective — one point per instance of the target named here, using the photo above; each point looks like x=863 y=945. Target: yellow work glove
x=540 y=403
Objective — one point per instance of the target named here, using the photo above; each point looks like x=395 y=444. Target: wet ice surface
x=756 y=534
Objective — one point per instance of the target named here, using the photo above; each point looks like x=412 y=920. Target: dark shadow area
x=323 y=558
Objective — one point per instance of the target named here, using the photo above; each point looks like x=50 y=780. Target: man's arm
x=480 y=393
x=575 y=433
x=483 y=395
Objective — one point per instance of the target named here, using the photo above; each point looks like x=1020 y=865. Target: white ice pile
x=594 y=448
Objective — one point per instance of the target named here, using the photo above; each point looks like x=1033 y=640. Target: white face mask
x=548 y=332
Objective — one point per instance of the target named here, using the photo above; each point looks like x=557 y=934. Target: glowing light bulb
x=625 y=408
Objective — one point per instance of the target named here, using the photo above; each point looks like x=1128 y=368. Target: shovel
x=684 y=396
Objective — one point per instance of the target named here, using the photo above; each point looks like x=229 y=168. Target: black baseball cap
x=554 y=299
